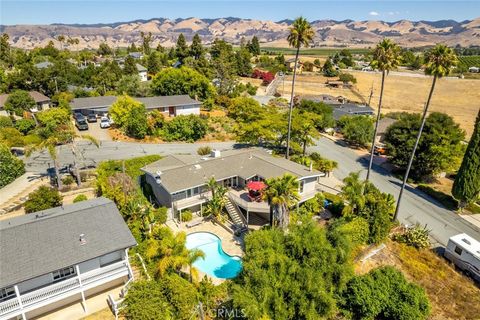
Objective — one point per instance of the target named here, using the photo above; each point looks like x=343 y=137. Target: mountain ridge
x=328 y=32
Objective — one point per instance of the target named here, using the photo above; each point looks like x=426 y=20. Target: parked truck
x=464 y=251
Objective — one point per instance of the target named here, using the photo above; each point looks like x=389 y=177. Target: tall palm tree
x=386 y=57
x=353 y=192
x=281 y=194
x=301 y=34
x=439 y=61
x=192 y=256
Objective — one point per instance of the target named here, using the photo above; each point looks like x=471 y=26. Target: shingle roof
x=140 y=68
x=350 y=109
x=177 y=174
x=149 y=102
x=45 y=241
x=37 y=96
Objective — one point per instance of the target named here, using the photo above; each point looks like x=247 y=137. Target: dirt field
x=451 y=295
x=459 y=98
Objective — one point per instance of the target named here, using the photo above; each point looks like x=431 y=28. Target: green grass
x=446 y=200
x=313 y=51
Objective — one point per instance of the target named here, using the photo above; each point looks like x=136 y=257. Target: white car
x=104 y=122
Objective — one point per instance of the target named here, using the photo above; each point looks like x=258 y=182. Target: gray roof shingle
x=45 y=241
x=149 y=102
x=178 y=173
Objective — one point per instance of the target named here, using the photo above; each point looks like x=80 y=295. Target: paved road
x=416 y=206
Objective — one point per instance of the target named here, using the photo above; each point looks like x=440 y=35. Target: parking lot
x=95 y=131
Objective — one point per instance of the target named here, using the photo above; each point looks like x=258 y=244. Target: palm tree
x=61 y=39
x=281 y=194
x=439 y=61
x=192 y=256
x=353 y=192
x=386 y=57
x=301 y=34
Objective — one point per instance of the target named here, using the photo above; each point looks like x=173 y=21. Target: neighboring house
x=474 y=69
x=179 y=182
x=350 y=109
x=290 y=64
x=169 y=105
x=136 y=55
x=43 y=65
x=327 y=99
x=338 y=84
x=142 y=72
x=53 y=258
x=383 y=125
x=42 y=101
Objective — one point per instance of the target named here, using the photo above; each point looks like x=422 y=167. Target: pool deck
x=231 y=244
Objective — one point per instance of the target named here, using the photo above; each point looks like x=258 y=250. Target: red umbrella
x=256 y=185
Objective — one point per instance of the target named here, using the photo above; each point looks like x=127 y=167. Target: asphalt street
x=416 y=207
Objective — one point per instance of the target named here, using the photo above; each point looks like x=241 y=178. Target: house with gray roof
x=179 y=182
x=142 y=72
x=170 y=106
x=42 y=102
x=60 y=256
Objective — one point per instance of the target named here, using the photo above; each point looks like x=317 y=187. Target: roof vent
x=82 y=239
x=215 y=154
x=466 y=241
x=158 y=180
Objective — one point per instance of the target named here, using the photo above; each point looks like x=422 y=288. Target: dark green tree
x=466 y=187
x=185 y=128
x=196 y=49
x=104 y=49
x=254 y=46
x=181 y=48
x=146 y=41
x=357 y=129
x=18 y=102
x=136 y=125
x=328 y=69
x=130 y=66
x=43 y=198
x=244 y=66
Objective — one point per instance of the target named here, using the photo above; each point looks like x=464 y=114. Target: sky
x=108 y=11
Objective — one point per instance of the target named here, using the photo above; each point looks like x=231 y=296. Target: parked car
x=92 y=117
x=464 y=252
x=81 y=123
x=104 y=122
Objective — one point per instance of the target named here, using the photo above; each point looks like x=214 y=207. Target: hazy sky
x=106 y=11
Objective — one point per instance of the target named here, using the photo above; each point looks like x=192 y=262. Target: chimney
x=82 y=239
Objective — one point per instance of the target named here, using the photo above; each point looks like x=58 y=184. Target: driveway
x=95 y=131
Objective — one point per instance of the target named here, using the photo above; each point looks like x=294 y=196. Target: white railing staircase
x=236 y=216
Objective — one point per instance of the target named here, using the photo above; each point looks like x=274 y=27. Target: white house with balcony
x=56 y=257
x=179 y=182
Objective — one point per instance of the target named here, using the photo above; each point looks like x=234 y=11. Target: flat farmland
x=460 y=98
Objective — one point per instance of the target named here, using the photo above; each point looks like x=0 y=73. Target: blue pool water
x=217 y=263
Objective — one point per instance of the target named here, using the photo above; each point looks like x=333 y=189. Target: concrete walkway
x=472 y=218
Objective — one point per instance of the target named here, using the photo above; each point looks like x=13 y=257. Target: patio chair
x=194 y=223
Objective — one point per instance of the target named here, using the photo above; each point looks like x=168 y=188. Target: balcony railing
x=61 y=290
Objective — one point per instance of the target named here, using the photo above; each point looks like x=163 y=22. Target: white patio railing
x=63 y=289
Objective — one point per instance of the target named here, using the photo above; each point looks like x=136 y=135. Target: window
x=302 y=183
x=6 y=293
x=458 y=250
x=63 y=273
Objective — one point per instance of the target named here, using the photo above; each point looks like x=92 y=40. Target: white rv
x=464 y=252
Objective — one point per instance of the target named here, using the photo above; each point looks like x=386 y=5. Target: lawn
x=452 y=295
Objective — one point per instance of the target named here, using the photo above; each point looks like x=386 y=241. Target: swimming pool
x=217 y=263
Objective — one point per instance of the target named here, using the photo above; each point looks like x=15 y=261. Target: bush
x=384 y=293
x=79 y=198
x=10 y=166
x=203 y=151
x=5 y=122
x=347 y=77
x=355 y=230
x=185 y=128
x=186 y=215
x=25 y=125
x=415 y=237
x=68 y=180
x=11 y=137
x=160 y=215
x=43 y=198
x=447 y=200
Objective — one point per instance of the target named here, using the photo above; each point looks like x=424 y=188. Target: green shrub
x=446 y=200
x=10 y=166
x=203 y=151
x=68 y=180
x=161 y=215
x=186 y=215
x=43 y=198
x=416 y=237
x=356 y=230
x=384 y=293
x=79 y=198
x=5 y=122
x=185 y=128
x=32 y=139
x=11 y=137
x=25 y=125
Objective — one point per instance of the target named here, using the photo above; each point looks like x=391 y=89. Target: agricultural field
x=469 y=61
x=403 y=92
